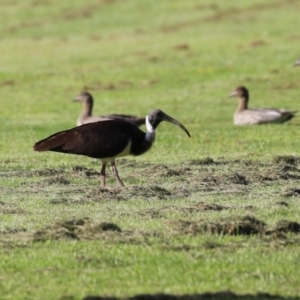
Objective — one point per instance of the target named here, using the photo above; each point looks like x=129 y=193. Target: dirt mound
x=78 y=229
x=246 y=225
x=292 y=192
x=223 y=179
x=283 y=226
x=287 y=159
x=236 y=178
x=281 y=203
x=200 y=206
x=203 y=206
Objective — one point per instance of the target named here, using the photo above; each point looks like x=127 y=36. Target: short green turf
x=184 y=57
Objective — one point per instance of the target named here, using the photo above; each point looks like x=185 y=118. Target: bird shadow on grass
x=224 y=295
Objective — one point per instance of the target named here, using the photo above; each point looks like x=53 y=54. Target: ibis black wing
x=99 y=140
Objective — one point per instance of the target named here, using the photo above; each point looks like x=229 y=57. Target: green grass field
x=215 y=212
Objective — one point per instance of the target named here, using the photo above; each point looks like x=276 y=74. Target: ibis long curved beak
x=167 y=118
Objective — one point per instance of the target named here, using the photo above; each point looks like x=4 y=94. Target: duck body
x=86 y=115
x=247 y=116
x=262 y=116
x=83 y=119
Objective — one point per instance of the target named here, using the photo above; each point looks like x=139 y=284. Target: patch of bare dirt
x=78 y=229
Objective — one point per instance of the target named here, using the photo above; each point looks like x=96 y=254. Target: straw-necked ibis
x=87 y=117
x=247 y=116
x=107 y=140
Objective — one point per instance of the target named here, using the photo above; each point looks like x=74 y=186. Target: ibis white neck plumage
x=150 y=135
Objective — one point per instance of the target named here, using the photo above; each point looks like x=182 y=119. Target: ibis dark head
x=240 y=92
x=157 y=116
x=297 y=63
x=83 y=97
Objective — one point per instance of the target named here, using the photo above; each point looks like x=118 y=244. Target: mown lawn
x=215 y=212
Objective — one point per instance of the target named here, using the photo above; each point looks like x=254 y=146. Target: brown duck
x=87 y=117
x=247 y=116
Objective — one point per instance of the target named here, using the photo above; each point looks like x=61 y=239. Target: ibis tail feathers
x=54 y=142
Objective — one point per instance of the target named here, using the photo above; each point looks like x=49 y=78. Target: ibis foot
x=115 y=171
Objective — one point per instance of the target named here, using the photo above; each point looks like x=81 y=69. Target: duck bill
x=76 y=99
x=175 y=122
x=233 y=94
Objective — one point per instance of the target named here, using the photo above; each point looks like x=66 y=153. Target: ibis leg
x=103 y=175
x=115 y=171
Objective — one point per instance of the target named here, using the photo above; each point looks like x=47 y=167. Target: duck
x=87 y=117
x=249 y=116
